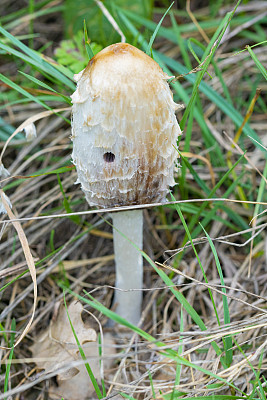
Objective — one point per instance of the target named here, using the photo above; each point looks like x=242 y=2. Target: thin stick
x=134 y=207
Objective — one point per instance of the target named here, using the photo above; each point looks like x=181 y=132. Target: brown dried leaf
x=57 y=348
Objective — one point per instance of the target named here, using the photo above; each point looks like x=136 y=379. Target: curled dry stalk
x=29 y=260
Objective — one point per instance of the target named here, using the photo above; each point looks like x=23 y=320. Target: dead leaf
x=57 y=347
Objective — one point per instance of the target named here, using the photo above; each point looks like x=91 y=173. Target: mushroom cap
x=124 y=128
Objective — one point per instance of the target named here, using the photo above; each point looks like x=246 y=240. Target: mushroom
x=124 y=130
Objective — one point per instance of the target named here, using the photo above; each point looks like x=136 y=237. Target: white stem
x=129 y=263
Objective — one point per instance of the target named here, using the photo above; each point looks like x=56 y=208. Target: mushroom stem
x=128 y=263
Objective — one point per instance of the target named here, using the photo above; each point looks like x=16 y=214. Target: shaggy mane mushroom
x=124 y=130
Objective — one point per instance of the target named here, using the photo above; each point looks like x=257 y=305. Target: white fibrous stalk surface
x=124 y=128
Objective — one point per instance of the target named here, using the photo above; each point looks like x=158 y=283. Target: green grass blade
x=194 y=41
x=100 y=362
x=44 y=85
x=180 y=350
x=30 y=12
x=186 y=165
x=89 y=50
x=261 y=192
x=42 y=64
x=16 y=87
x=3 y=332
x=228 y=339
x=11 y=344
x=75 y=218
x=126 y=396
x=197 y=179
x=60 y=170
x=149 y=47
x=197 y=257
x=45 y=98
x=152 y=385
x=257 y=62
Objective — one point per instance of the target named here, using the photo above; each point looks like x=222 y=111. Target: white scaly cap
x=124 y=128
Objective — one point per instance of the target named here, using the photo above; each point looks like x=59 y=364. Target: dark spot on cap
x=109 y=157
